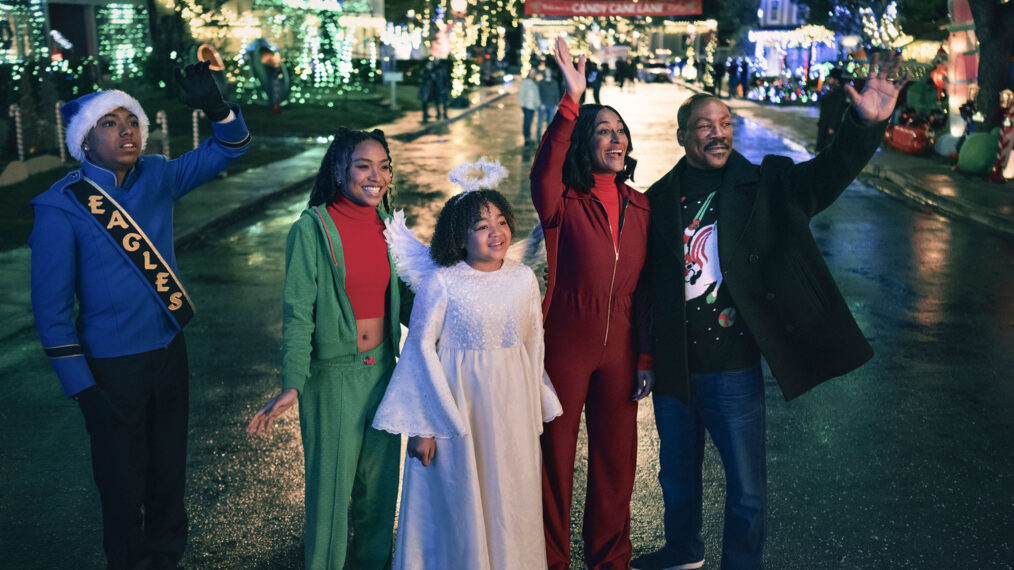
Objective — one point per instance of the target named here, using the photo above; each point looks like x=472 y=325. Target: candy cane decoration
x=163 y=122
x=197 y=115
x=59 y=132
x=1006 y=139
x=15 y=111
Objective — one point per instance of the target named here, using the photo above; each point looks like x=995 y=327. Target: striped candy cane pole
x=59 y=132
x=197 y=136
x=15 y=111
x=163 y=122
x=1003 y=146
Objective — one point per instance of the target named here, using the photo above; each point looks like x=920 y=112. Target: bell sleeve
x=418 y=400
x=535 y=346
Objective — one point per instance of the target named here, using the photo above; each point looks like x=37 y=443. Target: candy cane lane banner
x=601 y=8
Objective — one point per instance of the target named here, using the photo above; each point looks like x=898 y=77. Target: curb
x=898 y=185
x=17 y=314
x=194 y=236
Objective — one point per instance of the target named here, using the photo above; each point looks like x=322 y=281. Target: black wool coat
x=832 y=108
x=770 y=263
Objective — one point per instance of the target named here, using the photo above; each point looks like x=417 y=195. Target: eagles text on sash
x=136 y=246
x=133 y=242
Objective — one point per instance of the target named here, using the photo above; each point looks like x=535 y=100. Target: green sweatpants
x=351 y=468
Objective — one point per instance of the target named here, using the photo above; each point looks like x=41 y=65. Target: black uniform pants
x=138 y=429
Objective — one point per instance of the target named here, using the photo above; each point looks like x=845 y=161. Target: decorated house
x=317 y=49
x=613 y=30
x=113 y=34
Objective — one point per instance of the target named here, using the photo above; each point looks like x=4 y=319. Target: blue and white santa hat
x=84 y=112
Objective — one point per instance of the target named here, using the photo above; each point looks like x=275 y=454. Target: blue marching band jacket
x=87 y=227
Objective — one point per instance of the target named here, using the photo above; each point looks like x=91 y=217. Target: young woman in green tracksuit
x=341 y=318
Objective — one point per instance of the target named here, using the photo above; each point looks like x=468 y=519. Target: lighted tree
x=734 y=17
x=920 y=18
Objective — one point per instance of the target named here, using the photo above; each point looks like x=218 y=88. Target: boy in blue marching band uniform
x=104 y=233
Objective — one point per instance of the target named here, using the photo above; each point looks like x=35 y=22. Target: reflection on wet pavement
x=905 y=463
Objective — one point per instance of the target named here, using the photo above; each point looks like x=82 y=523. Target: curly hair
x=578 y=165
x=450 y=238
x=334 y=167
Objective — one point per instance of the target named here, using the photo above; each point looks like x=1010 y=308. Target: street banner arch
x=605 y=8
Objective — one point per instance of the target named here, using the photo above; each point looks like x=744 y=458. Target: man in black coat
x=736 y=236
x=832 y=107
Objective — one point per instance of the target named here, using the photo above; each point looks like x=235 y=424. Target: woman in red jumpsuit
x=596 y=231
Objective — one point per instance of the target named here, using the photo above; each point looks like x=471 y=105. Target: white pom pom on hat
x=84 y=112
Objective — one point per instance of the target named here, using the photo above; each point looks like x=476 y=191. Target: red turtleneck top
x=606 y=193
x=367 y=269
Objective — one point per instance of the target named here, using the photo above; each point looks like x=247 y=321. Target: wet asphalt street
x=907 y=462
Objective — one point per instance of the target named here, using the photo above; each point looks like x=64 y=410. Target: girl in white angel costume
x=470 y=389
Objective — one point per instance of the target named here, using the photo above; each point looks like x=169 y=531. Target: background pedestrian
x=530 y=104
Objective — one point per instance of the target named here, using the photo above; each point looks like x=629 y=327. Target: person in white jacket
x=529 y=94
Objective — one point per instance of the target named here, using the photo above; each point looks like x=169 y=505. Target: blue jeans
x=730 y=406
x=546 y=114
x=526 y=126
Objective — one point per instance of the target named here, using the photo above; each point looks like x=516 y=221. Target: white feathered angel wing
x=531 y=251
x=411 y=256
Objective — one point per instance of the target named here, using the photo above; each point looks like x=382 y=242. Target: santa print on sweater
x=716 y=339
x=700 y=253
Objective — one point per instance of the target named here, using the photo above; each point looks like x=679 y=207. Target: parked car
x=656 y=71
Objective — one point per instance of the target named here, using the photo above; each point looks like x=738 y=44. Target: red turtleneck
x=605 y=192
x=367 y=270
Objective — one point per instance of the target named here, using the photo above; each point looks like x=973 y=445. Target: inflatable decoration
x=208 y=53
x=267 y=66
x=977 y=153
x=1005 y=136
x=911 y=139
x=922 y=97
x=946 y=144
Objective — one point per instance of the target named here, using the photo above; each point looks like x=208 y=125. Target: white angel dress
x=471 y=375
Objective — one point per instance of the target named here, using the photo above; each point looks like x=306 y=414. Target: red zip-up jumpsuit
x=591 y=351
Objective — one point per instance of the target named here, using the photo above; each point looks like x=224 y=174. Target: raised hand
x=876 y=101
x=574 y=77
x=199 y=90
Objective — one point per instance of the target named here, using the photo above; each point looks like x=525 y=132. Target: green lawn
x=274 y=137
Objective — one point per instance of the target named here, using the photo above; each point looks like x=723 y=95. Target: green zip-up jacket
x=317 y=318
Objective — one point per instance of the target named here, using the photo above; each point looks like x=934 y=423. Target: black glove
x=98 y=410
x=199 y=90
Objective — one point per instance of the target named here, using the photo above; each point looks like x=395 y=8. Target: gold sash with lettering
x=135 y=245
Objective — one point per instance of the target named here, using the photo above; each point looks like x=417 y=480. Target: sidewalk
x=221 y=201
x=923 y=181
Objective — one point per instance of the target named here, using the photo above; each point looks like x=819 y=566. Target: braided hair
x=578 y=165
x=334 y=167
